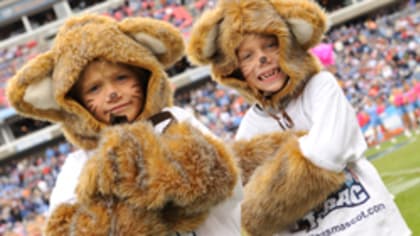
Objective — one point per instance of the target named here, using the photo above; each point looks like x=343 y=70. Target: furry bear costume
x=151 y=177
x=300 y=148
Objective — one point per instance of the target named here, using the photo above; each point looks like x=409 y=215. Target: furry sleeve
x=76 y=219
x=104 y=218
x=252 y=153
x=283 y=189
x=180 y=167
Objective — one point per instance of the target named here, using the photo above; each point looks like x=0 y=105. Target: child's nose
x=263 y=59
x=112 y=95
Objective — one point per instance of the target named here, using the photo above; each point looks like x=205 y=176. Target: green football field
x=399 y=166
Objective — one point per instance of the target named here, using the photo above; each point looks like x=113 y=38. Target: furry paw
x=105 y=218
x=76 y=219
x=121 y=166
x=148 y=170
x=204 y=172
x=252 y=153
x=284 y=189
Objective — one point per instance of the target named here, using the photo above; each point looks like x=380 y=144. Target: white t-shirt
x=334 y=142
x=224 y=219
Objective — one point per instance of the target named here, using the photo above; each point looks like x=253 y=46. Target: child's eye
x=245 y=56
x=93 y=89
x=122 y=77
x=271 y=45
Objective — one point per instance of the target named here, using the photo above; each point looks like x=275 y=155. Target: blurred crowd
x=25 y=187
x=376 y=62
x=171 y=11
x=218 y=107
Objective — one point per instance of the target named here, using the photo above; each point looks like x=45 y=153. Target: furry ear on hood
x=40 y=89
x=298 y=25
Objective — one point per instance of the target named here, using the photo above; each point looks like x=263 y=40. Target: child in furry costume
x=157 y=172
x=300 y=147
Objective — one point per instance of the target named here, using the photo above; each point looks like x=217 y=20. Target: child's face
x=258 y=61
x=106 y=88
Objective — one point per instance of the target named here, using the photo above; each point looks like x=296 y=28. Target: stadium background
x=372 y=48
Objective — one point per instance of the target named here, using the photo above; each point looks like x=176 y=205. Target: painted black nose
x=113 y=95
x=263 y=59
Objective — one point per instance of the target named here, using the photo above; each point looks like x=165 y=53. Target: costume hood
x=298 y=25
x=40 y=89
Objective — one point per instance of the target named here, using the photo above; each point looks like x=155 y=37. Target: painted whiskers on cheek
x=91 y=106
x=137 y=90
x=136 y=85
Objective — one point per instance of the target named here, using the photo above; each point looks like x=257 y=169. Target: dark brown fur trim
x=252 y=153
x=284 y=189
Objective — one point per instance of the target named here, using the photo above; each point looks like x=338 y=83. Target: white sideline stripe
x=402 y=186
x=395 y=183
x=391 y=149
x=401 y=172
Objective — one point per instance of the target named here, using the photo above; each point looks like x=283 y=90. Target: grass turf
x=399 y=166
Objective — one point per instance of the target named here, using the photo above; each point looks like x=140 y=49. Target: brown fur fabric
x=283 y=189
x=180 y=173
x=109 y=218
x=252 y=153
